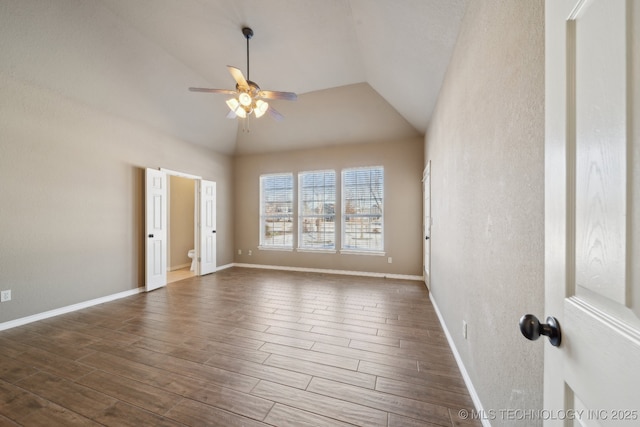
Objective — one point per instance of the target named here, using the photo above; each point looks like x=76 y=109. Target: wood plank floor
x=241 y=347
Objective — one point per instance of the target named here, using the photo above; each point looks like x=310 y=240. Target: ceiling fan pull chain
x=245 y=124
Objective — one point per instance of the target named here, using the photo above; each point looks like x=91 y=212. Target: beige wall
x=486 y=143
x=71 y=198
x=402 y=161
x=181 y=221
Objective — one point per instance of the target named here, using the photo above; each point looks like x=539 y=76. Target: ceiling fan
x=248 y=97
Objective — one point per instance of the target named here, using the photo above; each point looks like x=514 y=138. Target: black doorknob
x=426 y=237
x=150 y=235
x=531 y=328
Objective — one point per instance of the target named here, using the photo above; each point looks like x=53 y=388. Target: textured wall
x=402 y=161
x=78 y=125
x=486 y=144
x=71 y=198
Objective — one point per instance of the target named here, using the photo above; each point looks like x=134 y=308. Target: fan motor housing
x=253 y=88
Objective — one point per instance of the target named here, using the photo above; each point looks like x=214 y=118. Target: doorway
x=157 y=225
x=181 y=228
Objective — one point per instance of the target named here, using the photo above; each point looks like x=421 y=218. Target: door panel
x=599 y=104
x=208 y=230
x=155 y=229
x=591 y=209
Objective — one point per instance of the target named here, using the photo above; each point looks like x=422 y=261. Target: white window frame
x=344 y=224
x=264 y=215
x=319 y=216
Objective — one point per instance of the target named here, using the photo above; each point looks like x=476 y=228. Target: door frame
x=426 y=224
x=197 y=217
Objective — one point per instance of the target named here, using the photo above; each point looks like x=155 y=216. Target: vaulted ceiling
x=363 y=69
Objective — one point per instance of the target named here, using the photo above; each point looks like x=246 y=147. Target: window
x=317 y=210
x=362 y=209
x=276 y=211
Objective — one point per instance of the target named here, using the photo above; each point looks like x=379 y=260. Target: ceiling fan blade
x=270 y=94
x=275 y=114
x=204 y=89
x=232 y=115
x=238 y=77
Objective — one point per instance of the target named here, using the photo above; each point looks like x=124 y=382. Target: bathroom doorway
x=181 y=230
x=157 y=258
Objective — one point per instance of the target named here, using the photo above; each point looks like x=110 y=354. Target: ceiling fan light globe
x=245 y=99
x=233 y=104
x=261 y=108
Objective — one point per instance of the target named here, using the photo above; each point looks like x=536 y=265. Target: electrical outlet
x=389 y=260
x=249 y=252
x=239 y=251
x=464 y=329
x=5 y=295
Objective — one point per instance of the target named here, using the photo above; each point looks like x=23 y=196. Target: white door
x=155 y=229
x=592 y=210
x=426 y=185
x=207 y=227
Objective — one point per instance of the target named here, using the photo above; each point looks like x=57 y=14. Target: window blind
x=276 y=210
x=316 y=208
x=362 y=209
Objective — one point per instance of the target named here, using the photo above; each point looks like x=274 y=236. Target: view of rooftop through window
x=362 y=210
x=362 y=197
x=276 y=210
x=317 y=210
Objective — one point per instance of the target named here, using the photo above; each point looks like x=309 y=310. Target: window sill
x=356 y=252
x=316 y=251
x=275 y=248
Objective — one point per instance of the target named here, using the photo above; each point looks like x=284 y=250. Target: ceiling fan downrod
x=248 y=33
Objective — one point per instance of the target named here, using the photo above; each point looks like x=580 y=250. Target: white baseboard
x=328 y=271
x=179 y=267
x=79 y=306
x=463 y=370
x=68 y=309
x=224 y=267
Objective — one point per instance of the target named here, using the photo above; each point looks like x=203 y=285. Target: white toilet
x=191 y=254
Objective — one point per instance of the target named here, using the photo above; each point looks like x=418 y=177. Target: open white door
x=207 y=227
x=155 y=229
x=426 y=226
x=592 y=210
